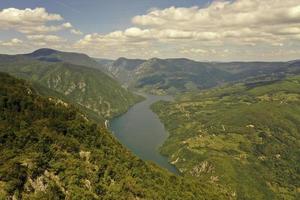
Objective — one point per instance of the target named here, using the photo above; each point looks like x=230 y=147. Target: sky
x=206 y=30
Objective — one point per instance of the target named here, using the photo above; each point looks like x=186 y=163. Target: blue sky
x=216 y=30
x=101 y=16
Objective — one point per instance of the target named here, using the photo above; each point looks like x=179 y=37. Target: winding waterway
x=140 y=130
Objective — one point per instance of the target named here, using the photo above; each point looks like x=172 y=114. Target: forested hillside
x=173 y=76
x=245 y=137
x=49 y=150
x=100 y=95
x=51 y=55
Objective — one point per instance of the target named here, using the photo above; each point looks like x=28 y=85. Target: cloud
x=228 y=25
x=76 y=32
x=46 y=38
x=11 y=43
x=67 y=25
x=225 y=20
x=12 y=16
x=37 y=28
x=223 y=30
x=192 y=50
x=28 y=20
x=31 y=21
x=239 y=13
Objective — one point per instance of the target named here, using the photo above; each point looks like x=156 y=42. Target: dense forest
x=234 y=141
x=177 y=75
x=245 y=137
x=98 y=94
x=49 y=150
x=150 y=100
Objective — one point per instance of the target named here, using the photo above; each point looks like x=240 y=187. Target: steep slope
x=123 y=69
x=48 y=150
x=88 y=87
x=246 y=70
x=245 y=137
x=103 y=61
x=178 y=75
x=165 y=75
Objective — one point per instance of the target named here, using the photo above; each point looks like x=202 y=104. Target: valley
x=215 y=130
x=140 y=130
x=49 y=150
x=150 y=100
x=98 y=94
x=174 y=76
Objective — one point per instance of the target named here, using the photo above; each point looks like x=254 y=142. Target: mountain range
x=171 y=76
x=244 y=136
x=233 y=128
x=74 y=76
x=49 y=150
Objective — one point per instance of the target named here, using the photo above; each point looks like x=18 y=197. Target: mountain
x=123 y=69
x=49 y=150
x=103 y=61
x=90 y=88
x=51 y=55
x=244 y=70
x=245 y=137
x=172 y=76
x=165 y=75
x=180 y=75
x=177 y=75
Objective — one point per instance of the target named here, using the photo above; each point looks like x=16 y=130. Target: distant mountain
x=103 y=61
x=98 y=93
x=123 y=69
x=245 y=137
x=179 y=75
x=48 y=150
x=242 y=70
x=166 y=75
x=51 y=55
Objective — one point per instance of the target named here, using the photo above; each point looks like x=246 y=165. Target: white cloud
x=239 y=13
x=135 y=32
x=46 y=38
x=12 y=42
x=67 y=25
x=27 y=20
x=230 y=25
x=11 y=16
x=224 y=29
x=76 y=32
x=32 y=21
x=192 y=50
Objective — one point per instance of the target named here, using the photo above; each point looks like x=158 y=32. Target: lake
x=140 y=130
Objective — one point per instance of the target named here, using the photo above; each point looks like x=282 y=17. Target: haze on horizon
x=198 y=29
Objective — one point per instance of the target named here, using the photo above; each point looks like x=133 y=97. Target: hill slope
x=88 y=87
x=178 y=75
x=245 y=137
x=51 y=55
x=48 y=150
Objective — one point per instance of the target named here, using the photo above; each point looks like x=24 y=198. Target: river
x=140 y=130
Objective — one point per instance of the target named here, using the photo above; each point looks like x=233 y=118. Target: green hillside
x=98 y=93
x=173 y=76
x=48 y=150
x=245 y=137
x=51 y=55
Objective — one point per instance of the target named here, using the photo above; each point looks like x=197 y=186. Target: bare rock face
x=202 y=167
x=39 y=184
x=85 y=155
x=42 y=182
